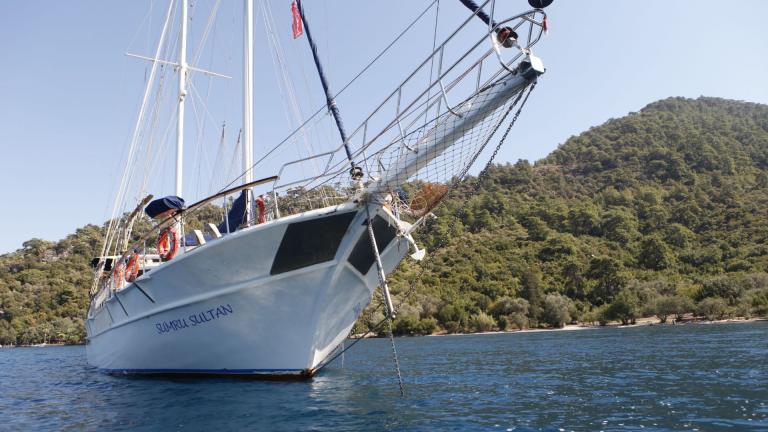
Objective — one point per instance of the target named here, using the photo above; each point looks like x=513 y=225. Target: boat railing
x=142 y=241
x=458 y=69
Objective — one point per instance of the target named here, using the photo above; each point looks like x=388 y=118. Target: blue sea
x=651 y=378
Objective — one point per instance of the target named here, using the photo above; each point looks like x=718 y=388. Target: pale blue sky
x=69 y=97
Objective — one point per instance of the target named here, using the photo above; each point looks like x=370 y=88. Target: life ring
x=260 y=206
x=132 y=268
x=118 y=274
x=168 y=244
x=427 y=198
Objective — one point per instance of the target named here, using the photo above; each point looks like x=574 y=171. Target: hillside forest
x=661 y=213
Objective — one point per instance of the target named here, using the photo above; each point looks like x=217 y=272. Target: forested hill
x=659 y=212
x=662 y=211
x=44 y=289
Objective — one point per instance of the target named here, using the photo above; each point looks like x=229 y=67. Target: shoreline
x=642 y=322
x=41 y=345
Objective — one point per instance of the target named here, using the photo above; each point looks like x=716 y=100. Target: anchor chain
x=504 y=137
x=394 y=357
x=387 y=299
x=412 y=287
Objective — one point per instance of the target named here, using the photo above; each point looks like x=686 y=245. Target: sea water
x=684 y=377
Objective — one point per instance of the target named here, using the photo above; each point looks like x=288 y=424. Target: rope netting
x=423 y=136
x=425 y=162
x=417 y=167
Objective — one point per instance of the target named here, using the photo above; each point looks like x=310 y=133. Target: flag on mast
x=298 y=30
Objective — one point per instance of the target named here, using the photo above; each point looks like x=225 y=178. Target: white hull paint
x=218 y=310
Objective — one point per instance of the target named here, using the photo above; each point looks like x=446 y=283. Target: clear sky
x=69 y=96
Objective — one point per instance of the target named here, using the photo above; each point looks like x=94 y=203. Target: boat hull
x=237 y=306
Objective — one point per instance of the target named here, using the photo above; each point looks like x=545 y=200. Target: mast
x=182 y=94
x=248 y=102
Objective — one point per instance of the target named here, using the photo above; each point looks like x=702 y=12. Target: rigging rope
x=320 y=110
x=330 y=100
x=134 y=143
x=471 y=5
x=290 y=102
x=432 y=65
x=150 y=128
x=219 y=154
x=148 y=134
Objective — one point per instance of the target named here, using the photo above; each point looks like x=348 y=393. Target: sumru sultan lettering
x=194 y=320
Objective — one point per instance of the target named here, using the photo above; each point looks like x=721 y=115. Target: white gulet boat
x=277 y=293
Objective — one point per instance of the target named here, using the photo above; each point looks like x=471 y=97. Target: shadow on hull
x=303 y=375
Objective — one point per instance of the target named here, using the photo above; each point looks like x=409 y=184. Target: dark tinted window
x=311 y=242
x=362 y=257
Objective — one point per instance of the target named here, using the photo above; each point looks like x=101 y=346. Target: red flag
x=297 y=27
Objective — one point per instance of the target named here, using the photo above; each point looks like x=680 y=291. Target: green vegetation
x=662 y=212
x=44 y=289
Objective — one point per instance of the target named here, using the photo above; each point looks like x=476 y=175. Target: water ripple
x=645 y=378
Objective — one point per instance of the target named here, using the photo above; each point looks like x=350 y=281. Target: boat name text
x=194 y=319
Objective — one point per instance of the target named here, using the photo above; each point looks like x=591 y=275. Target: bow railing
x=466 y=64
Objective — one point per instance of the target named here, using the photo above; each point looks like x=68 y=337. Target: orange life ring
x=427 y=198
x=132 y=268
x=164 y=249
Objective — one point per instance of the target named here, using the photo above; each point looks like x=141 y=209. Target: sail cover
x=162 y=205
x=236 y=215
